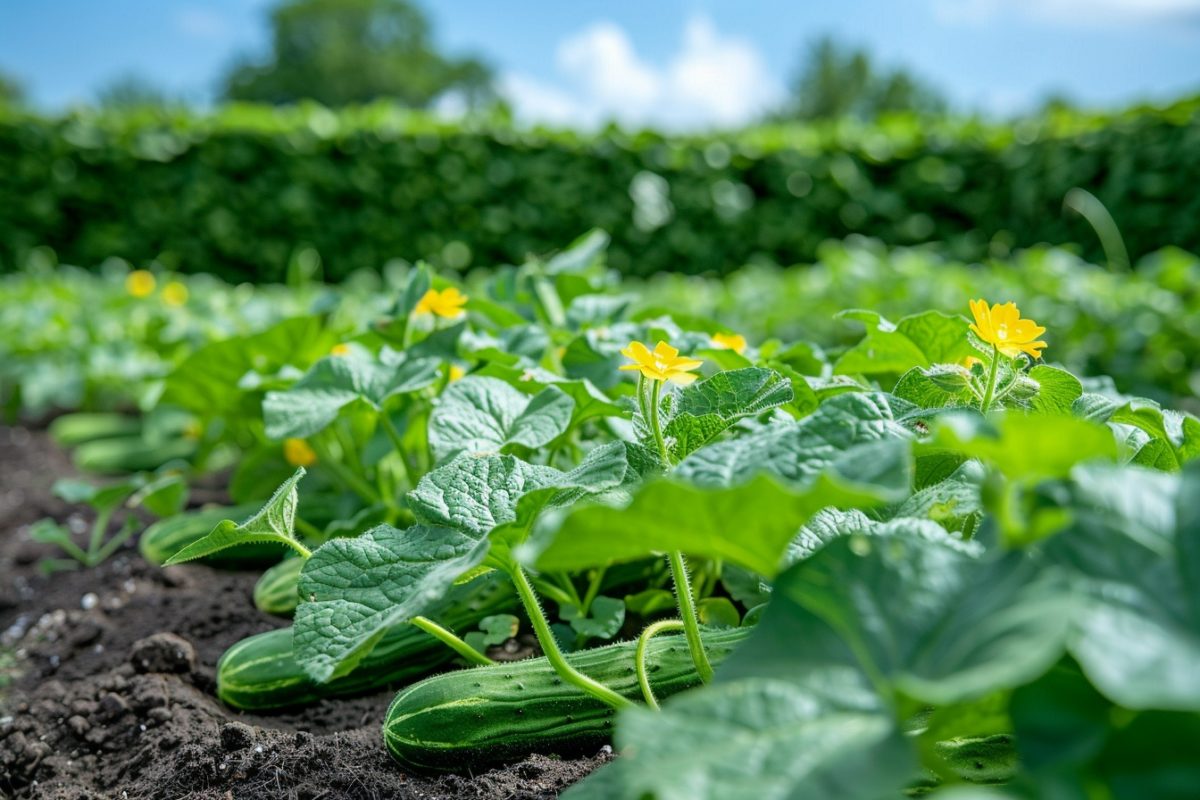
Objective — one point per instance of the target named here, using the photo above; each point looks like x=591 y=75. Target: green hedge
x=240 y=192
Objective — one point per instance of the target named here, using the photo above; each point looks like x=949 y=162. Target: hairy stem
x=640 y=655
x=550 y=646
x=991 y=384
x=450 y=640
x=687 y=612
x=655 y=392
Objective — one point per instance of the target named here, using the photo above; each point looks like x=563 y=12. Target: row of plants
x=104 y=339
x=239 y=191
x=934 y=561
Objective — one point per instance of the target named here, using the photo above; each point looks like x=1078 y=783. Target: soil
x=107 y=681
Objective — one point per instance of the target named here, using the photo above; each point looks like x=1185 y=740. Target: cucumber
x=474 y=718
x=125 y=454
x=260 y=672
x=168 y=536
x=70 y=430
x=276 y=592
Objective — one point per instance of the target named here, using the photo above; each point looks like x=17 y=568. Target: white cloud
x=1076 y=12
x=201 y=23
x=712 y=80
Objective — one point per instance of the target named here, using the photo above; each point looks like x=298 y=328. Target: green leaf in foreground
x=757 y=738
x=273 y=523
x=1138 y=634
x=355 y=589
x=749 y=524
x=482 y=415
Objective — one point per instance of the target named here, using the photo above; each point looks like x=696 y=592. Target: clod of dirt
x=236 y=736
x=163 y=652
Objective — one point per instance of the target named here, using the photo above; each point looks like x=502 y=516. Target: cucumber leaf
x=337 y=381
x=354 y=590
x=705 y=409
x=795 y=452
x=483 y=415
x=920 y=340
x=760 y=738
x=749 y=524
x=274 y=522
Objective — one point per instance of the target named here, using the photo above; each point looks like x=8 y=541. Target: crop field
x=889 y=524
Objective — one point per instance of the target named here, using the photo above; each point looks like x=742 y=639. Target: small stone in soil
x=163 y=652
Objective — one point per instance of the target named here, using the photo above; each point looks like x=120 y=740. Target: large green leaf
x=337 y=381
x=1170 y=440
x=590 y=402
x=1022 y=446
x=749 y=524
x=206 y=381
x=920 y=340
x=483 y=415
x=794 y=452
x=355 y=589
x=912 y=612
x=705 y=409
x=755 y=738
x=273 y=523
x=1138 y=634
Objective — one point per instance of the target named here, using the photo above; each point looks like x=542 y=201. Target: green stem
x=687 y=612
x=555 y=593
x=550 y=646
x=99 y=528
x=450 y=640
x=593 y=589
x=397 y=442
x=118 y=539
x=640 y=655
x=344 y=475
x=991 y=384
x=654 y=423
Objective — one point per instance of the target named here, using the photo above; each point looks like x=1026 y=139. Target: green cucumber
x=168 y=536
x=260 y=672
x=477 y=717
x=276 y=591
x=70 y=430
x=124 y=454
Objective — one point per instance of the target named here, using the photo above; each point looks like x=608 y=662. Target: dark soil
x=107 y=679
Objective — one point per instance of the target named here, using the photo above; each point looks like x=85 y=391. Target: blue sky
x=678 y=63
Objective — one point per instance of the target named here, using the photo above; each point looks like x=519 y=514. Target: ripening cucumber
x=260 y=672
x=70 y=430
x=168 y=536
x=478 y=717
x=125 y=454
x=276 y=592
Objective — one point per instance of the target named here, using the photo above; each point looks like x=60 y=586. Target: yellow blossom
x=729 y=341
x=140 y=283
x=340 y=350
x=1001 y=326
x=446 y=303
x=298 y=453
x=661 y=364
x=456 y=372
x=175 y=294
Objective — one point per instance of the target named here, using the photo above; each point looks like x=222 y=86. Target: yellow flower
x=456 y=372
x=446 y=303
x=175 y=294
x=729 y=341
x=298 y=453
x=1001 y=326
x=661 y=364
x=340 y=350
x=140 y=283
